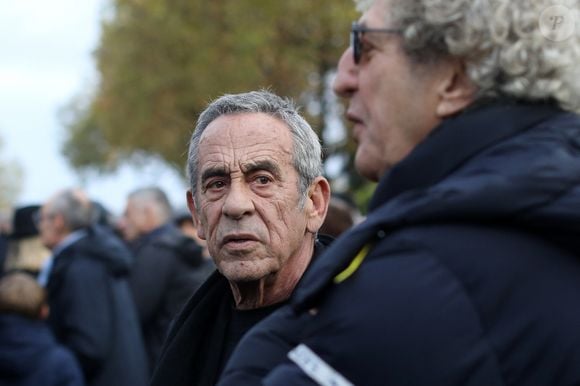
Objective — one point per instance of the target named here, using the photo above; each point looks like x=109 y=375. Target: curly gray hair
x=307 y=151
x=500 y=41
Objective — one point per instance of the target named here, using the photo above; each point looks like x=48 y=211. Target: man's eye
x=262 y=180
x=365 y=47
x=215 y=185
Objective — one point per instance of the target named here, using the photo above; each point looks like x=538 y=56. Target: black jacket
x=470 y=274
x=196 y=347
x=92 y=311
x=168 y=269
x=30 y=356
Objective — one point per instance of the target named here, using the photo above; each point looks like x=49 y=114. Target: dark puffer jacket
x=470 y=269
x=92 y=311
x=169 y=268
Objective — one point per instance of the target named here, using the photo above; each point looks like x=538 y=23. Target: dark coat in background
x=30 y=356
x=470 y=272
x=92 y=310
x=197 y=345
x=168 y=269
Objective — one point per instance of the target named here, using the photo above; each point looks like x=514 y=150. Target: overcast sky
x=45 y=60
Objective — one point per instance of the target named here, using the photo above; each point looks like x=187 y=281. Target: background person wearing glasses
x=467 y=268
x=258 y=198
x=91 y=308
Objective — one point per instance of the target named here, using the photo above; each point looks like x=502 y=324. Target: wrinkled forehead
x=245 y=123
x=245 y=137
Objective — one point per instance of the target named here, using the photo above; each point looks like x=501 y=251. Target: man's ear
x=193 y=210
x=455 y=91
x=317 y=204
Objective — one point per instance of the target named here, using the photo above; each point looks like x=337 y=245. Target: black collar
x=455 y=141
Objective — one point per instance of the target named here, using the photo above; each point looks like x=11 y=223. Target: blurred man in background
x=168 y=268
x=92 y=310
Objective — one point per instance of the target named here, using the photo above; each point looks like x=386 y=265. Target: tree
x=161 y=61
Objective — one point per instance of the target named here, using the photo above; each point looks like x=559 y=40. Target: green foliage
x=363 y=195
x=161 y=61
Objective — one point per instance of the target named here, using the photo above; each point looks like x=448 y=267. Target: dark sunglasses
x=356 y=33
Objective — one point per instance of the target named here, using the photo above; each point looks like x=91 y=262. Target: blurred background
x=104 y=94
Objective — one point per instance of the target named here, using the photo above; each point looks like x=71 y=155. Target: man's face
x=248 y=197
x=130 y=223
x=49 y=227
x=391 y=103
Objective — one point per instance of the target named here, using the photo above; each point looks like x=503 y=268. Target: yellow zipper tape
x=353 y=266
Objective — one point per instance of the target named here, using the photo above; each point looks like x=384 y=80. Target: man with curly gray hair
x=466 y=270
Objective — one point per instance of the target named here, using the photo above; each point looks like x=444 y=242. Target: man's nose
x=238 y=201
x=346 y=81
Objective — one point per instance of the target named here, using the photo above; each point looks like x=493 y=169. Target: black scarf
x=192 y=353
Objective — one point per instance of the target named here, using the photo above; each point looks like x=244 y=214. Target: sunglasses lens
x=355 y=44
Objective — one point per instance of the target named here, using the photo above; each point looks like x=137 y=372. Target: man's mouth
x=353 y=118
x=239 y=239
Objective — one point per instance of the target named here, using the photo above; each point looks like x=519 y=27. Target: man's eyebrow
x=266 y=165
x=217 y=171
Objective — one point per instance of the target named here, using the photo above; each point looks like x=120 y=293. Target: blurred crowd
x=99 y=314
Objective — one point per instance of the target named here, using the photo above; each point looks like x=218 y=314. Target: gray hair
x=75 y=208
x=501 y=42
x=307 y=151
x=154 y=197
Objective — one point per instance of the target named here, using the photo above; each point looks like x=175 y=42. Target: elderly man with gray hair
x=467 y=269
x=92 y=310
x=258 y=198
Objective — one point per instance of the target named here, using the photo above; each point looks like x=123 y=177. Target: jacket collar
x=455 y=141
